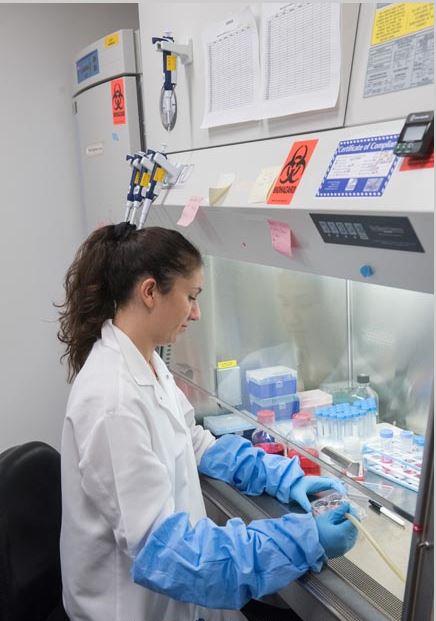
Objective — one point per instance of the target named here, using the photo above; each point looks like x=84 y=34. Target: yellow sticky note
x=217 y=191
x=262 y=186
x=227 y=364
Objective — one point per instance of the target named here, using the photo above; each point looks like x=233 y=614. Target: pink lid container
x=266 y=417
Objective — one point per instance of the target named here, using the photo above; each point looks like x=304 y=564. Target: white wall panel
x=42 y=223
x=188 y=21
x=391 y=105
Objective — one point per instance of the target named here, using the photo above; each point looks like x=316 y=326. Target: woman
x=132 y=504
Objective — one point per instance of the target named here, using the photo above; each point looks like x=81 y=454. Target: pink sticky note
x=280 y=237
x=190 y=210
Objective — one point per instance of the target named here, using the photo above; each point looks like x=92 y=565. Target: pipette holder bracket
x=184 y=52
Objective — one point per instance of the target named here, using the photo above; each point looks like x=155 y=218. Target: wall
x=42 y=218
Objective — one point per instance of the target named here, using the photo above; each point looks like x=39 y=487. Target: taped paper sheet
x=301 y=57
x=231 y=53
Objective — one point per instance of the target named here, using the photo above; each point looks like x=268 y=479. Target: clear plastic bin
x=271 y=382
x=227 y=423
x=283 y=407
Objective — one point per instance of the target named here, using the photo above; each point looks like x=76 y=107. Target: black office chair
x=30 y=520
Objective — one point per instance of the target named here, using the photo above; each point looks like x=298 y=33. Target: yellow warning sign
x=227 y=364
x=112 y=39
x=399 y=20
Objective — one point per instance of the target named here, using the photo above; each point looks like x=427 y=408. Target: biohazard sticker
x=292 y=172
x=118 y=102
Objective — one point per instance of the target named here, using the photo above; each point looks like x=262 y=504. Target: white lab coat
x=130 y=449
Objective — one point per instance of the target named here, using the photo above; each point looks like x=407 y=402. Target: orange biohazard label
x=413 y=163
x=118 y=102
x=290 y=175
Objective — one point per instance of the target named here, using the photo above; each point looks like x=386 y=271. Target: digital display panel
x=389 y=232
x=414 y=132
x=87 y=66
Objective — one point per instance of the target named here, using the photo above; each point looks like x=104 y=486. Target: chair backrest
x=30 y=519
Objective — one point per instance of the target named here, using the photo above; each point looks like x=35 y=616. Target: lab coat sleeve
x=124 y=479
x=234 y=460
x=202 y=439
x=223 y=567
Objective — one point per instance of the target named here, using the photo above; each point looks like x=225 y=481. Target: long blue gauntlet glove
x=224 y=567
x=234 y=460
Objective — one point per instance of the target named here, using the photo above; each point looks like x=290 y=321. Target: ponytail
x=87 y=301
x=104 y=272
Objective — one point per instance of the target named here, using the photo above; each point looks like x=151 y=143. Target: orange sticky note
x=280 y=237
x=190 y=211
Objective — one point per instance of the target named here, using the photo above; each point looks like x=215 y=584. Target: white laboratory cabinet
x=187 y=22
x=334 y=282
x=108 y=112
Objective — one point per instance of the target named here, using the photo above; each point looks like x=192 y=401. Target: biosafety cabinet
x=317 y=231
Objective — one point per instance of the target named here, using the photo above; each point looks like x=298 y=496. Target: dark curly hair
x=104 y=272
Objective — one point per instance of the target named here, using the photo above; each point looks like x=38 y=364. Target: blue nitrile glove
x=234 y=460
x=311 y=485
x=225 y=566
x=336 y=533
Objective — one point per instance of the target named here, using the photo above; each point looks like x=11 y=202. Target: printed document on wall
x=301 y=57
x=231 y=53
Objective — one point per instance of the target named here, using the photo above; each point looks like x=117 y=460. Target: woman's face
x=177 y=308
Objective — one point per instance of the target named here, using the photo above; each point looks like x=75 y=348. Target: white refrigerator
x=107 y=109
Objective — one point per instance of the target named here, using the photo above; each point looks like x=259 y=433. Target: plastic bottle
x=364 y=391
x=418 y=447
x=333 y=426
x=303 y=430
x=372 y=413
x=265 y=417
x=355 y=421
x=406 y=442
x=320 y=428
x=386 y=444
x=406 y=448
x=348 y=430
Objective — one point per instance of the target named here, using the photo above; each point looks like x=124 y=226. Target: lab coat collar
x=138 y=367
x=141 y=371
